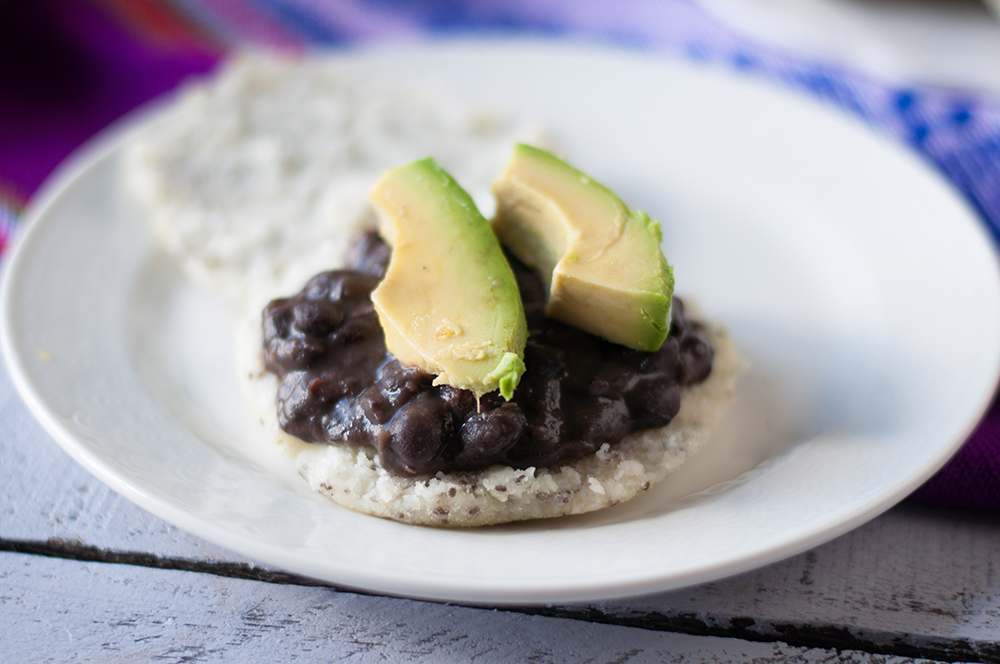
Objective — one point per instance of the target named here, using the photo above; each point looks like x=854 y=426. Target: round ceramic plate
x=860 y=287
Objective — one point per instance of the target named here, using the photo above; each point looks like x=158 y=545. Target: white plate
x=862 y=289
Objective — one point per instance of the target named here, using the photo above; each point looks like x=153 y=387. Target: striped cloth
x=68 y=67
x=10 y=211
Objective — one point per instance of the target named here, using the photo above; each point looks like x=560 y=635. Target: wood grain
x=917 y=580
x=68 y=611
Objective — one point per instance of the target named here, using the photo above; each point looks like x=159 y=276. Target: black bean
x=356 y=286
x=606 y=421
x=363 y=326
x=488 y=434
x=317 y=317
x=343 y=423
x=696 y=356
x=654 y=400
x=677 y=320
x=321 y=286
x=369 y=255
x=463 y=402
x=417 y=433
x=545 y=360
x=612 y=383
x=294 y=405
x=376 y=405
x=664 y=360
x=337 y=285
x=277 y=319
x=293 y=354
x=400 y=384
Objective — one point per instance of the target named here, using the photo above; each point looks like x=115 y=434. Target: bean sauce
x=339 y=384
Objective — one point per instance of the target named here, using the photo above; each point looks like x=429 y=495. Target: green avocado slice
x=605 y=269
x=449 y=303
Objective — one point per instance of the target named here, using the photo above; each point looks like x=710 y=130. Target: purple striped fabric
x=67 y=69
x=8 y=222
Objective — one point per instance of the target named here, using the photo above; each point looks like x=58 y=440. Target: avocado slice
x=449 y=302
x=602 y=262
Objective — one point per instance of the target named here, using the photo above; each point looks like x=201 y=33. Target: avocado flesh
x=602 y=262
x=449 y=302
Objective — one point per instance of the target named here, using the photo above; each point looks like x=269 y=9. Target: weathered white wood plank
x=65 y=611
x=915 y=576
x=44 y=494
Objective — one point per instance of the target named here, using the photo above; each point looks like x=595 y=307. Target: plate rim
x=106 y=143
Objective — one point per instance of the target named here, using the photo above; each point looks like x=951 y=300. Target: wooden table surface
x=87 y=576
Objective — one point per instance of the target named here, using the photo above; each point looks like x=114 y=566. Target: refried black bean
x=339 y=384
